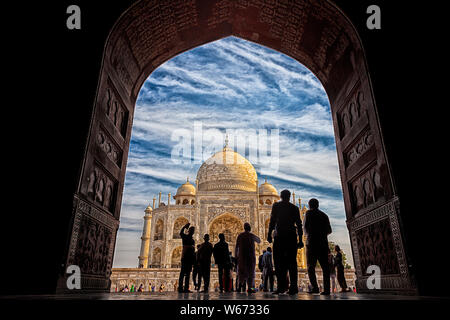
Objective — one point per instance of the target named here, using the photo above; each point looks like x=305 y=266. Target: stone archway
x=227 y=224
x=156 y=258
x=177 y=225
x=175 y=261
x=159 y=230
x=315 y=33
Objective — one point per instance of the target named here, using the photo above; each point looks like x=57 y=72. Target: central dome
x=227 y=170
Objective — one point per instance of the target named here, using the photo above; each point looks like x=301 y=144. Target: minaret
x=145 y=239
x=159 y=200
x=168 y=199
x=293 y=197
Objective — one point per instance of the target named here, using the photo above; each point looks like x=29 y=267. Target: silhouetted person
x=223 y=261
x=261 y=265
x=235 y=285
x=267 y=270
x=204 y=254
x=317 y=228
x=338 y=262
x=195 y=271
x=260 y=261
x=286 y=224
x=332 y=270
x=246 y=259
x=187 y=257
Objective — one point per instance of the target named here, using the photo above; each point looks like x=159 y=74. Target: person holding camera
x=187 y=257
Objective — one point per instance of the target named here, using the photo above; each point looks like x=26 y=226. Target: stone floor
x=214 y=296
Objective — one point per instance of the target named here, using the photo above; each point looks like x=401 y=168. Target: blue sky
x=230 y=84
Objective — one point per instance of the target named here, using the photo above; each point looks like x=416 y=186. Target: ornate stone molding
x=102 y=216
x=398 y=242
x=390 y=212
x=359 y=148
x=367 y=190
x=115 y=109
x=214 y=211
x=111 y=149
x=369 y=217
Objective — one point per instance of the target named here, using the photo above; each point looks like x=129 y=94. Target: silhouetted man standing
x=285 y=220
x=195 y=271
x=267 y=273
x=317 y=228
x=204 y=254
x=223 y=261
x=187 y=257
x=246 y=259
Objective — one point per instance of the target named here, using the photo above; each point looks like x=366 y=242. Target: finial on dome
x=187 y=179
x=265 y=180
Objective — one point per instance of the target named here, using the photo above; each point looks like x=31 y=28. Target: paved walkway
x=214 y=296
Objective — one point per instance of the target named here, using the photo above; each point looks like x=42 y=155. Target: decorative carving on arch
x=101 y=188
x=116 y=111
x=93 y=246
x=107 y=144
x=214 y=211
x=367 y=189
x=177 y=225
x=229 y=225
x=364 y=143
x=159 y=230
x=351 y=113
x=176 y=257
x=376 y=247
x=156 y=258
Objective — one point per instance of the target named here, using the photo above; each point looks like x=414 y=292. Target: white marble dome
x=227 y=170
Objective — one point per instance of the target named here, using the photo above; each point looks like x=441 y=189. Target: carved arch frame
x=314 y=32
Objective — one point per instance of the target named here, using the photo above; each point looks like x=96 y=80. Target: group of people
x=199 y=262
x=337 y=270
x=285 y=231
x=133 y=288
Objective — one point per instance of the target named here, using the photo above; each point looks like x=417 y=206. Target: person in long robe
x=246 y=258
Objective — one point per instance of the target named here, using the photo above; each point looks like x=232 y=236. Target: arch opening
x=227 y=224
x=318 y=35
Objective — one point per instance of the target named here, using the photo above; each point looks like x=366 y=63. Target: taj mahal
x=226 y=194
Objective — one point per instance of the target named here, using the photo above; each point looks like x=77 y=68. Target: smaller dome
x=266 y=189
x=186 y=189
x=148 y=209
